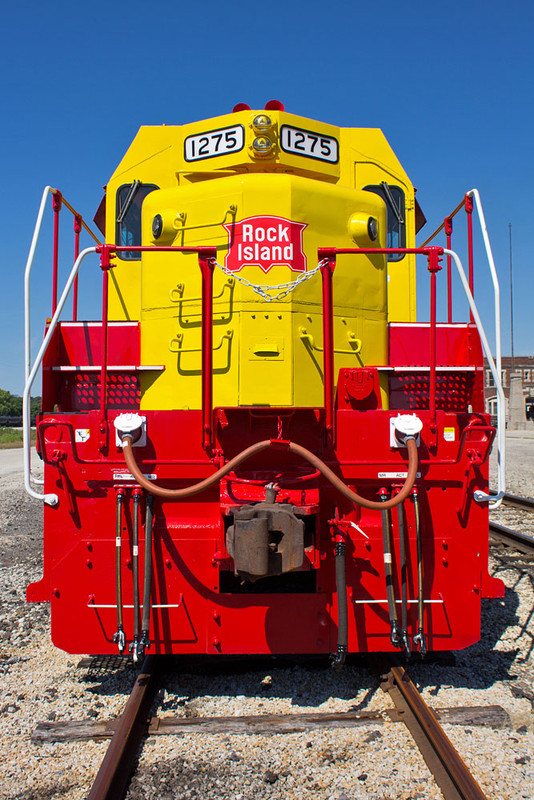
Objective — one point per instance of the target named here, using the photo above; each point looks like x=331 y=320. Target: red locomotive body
x=356 y=522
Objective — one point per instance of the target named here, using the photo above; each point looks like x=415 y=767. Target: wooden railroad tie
x=492 y=716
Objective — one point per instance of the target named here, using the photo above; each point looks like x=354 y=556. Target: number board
x=309 y=144
x=214 y=143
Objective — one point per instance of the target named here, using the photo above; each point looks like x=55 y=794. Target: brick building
x=521 y=364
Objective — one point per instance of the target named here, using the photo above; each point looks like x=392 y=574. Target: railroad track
x=449 y=770
x=519 y=541
x=511 y=538
x=128 y=731
x=526 y=503
x=116 y=769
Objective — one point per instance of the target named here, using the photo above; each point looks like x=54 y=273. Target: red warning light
x=241 y=107
x=274 y=105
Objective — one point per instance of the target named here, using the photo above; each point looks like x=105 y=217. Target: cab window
x=130 y=198
x=393 y=197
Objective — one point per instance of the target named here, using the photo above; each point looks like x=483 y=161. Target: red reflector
x=274 y=105
x=241 y=107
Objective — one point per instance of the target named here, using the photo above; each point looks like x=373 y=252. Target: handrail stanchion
x=27 y=274
x=106 y=265
x=448 y=232
x=27 y=304
x=443 y=224
x=501 y=422
x=56 y=205
x=469 y=212
x=327 y=271
x=433 y=267
x=206 y=261
x=77 y=231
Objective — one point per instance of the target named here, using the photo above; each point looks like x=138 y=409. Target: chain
x=263 y=291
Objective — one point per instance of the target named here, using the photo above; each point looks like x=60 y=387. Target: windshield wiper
x=128 y=202
x=392 y=203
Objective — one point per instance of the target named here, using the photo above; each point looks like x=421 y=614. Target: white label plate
x=125 y=476
x=396 y=475
x=306 y=143
x=214 y=143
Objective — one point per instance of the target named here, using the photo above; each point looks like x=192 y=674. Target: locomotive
x=258 y=449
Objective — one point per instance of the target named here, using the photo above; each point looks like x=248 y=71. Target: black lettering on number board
x=309 y=144
x=210 y=144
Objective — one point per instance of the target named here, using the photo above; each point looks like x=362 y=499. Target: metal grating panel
x=82 y=391
x=410 y=391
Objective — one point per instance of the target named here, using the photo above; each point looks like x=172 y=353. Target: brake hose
x=119 y=637
x=144 y=642
x=266 y=444
x=395 y=631
x=134 y=646
x=404 y=582
x=338 y=659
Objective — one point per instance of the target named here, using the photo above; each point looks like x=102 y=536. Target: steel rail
x=115 y=771
x=441 y=757
x=520 y=541
x=526 y=503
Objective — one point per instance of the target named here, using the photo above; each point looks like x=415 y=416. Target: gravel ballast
x=375 y=761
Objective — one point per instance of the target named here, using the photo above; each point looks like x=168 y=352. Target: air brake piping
x=338 y=659
x=419 y=640
x=144 y=643
x=134 y=646
x=404 y=583
x=395 y=634
x=266 y=444
x=119 y=637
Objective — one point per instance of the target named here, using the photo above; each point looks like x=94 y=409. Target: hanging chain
x=263 y=290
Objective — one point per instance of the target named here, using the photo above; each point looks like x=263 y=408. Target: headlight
x=157 y=226
x=262 y=122
x=262 y=146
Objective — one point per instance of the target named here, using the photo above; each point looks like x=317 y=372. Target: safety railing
x=49 y=499
x=433 y=255
x=57 y=202
x=207 y=262
x=207 y=259
x=447 y=226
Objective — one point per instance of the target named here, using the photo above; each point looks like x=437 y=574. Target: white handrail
x=27 y=273
x=496 y=289
x=50 y=499
x=480 y=496
x=501 y=405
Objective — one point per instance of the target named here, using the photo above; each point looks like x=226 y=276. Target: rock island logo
x=265 y=241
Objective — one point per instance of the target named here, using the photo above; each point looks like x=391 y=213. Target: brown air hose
x=337 y=483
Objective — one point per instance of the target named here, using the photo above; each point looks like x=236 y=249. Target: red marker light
x=241 y=107
x=274 y=105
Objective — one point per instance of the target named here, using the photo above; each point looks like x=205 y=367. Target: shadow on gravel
x=481 y=665
x=310 y=681
x=305 y=682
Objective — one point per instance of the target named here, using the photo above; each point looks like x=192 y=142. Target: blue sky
x=451 y=85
